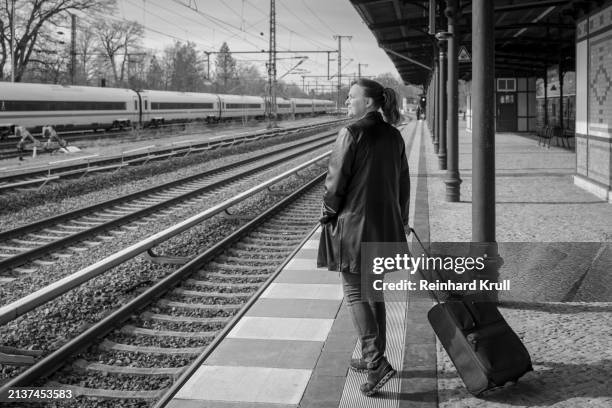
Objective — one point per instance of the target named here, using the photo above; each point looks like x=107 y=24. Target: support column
x=545 y=92
x=442 y=114
x=483 y=125
x=436 y=97
x=430 y=106
x=453 y=180
x=432 y=95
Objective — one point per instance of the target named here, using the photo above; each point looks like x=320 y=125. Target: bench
x=548 y=132
x=544 y=133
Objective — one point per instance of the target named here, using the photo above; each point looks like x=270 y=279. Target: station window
x=506 y=84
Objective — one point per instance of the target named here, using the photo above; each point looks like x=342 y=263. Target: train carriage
x=323 y=106
x=65 y=107
x=68 y=108
x=162 y=107
x=284 y=107
x=241 y=107
x=303 y=106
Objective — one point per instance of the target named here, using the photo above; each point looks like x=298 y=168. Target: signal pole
x=339 y=38
x=359 y=69
x=272 y=66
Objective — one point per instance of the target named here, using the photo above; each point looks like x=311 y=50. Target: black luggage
x=485 y=350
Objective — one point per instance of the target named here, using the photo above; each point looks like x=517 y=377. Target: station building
x=550 y=74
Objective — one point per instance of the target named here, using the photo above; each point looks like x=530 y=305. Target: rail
x=20 y=307
x=50 y=169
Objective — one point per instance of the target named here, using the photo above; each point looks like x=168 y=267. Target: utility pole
x=272 y=66
x=359 y=69
x=73 y=48
x=340 y=37
x=13 y=41
x=207 y=65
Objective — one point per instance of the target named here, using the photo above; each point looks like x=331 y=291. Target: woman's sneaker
x=377 y=378
x=359 y=365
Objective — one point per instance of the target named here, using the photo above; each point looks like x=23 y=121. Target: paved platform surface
x=293 y=347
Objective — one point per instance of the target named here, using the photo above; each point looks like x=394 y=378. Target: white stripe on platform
x=311 y=244
x=303 y=291
x=246 y=384
x=281 y=328
x=302 y=263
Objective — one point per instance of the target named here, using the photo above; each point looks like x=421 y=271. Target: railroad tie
x=139 y=331
x=108 y=345
x=83 y=365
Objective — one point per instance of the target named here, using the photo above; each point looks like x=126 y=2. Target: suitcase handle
x=433 y=294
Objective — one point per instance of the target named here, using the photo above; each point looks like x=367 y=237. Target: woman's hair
x=384 y=98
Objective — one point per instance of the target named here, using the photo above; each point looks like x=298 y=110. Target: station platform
x=293 y=347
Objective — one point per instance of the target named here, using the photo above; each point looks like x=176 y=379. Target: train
x=76 y=108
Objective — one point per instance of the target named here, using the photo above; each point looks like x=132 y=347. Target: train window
x=146 y=103
x=135 y=105
x=243 y=105
x=62 y=105
x=303 y=105
x=180 y=105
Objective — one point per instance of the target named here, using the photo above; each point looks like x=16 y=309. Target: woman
x=366 y=200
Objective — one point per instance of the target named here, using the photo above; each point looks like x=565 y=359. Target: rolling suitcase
x=485 y=350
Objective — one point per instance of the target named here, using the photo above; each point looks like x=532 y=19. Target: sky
x=302 y=25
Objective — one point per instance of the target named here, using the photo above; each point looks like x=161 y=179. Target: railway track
x=136 y=353
x=36 y=178
x=8 y=148
x=42 y=242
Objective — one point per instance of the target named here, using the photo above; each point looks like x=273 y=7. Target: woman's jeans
x=369 y=318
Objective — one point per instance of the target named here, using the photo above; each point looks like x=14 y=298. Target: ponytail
x=389 y=106
x=384 y=99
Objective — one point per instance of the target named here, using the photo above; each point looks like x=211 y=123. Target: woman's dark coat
x=367 y=192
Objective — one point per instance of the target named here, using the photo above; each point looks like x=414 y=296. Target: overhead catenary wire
x=163 y=19
x=221 y=23
x=92 y=19
x=320 y=44
x=331 y=30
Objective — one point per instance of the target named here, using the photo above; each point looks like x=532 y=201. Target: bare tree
x=49 y=59
x=225 y=67
x=188 y=72
x=155 y=75
x=251 y=82
x=168 y=65
x=30 y=16
x=86 y=50
x=118 y=39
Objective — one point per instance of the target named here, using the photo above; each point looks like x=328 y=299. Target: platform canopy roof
x=529 y=34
